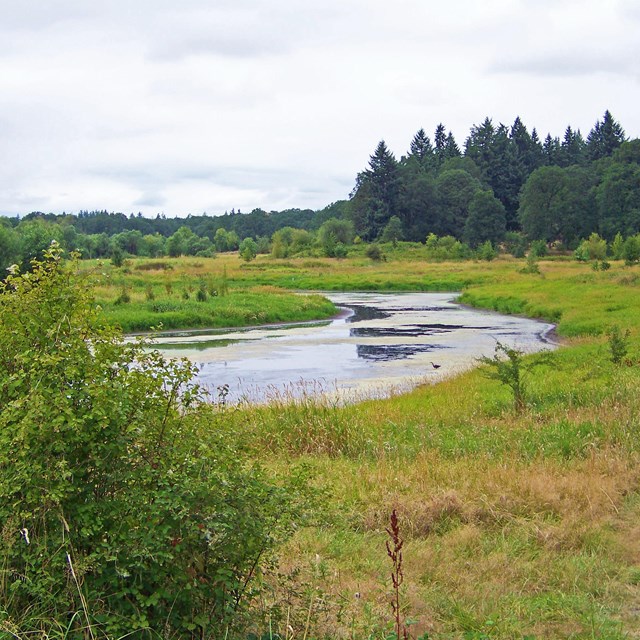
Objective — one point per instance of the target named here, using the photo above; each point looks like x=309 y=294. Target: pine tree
x=440 y=142
x=375 y=197
x=551 y=151
x=452 y=150
x=421 y=149
x=572 y=149
x=605 y=137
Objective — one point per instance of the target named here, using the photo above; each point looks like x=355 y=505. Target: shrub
x=124 y=297
x=120 y=513
x=618 y=341
x=539 y=248
x=509 y=367
x=117 y=257
x=248 y=249
x=201 y=293
x=486 y=251
x=374 y=252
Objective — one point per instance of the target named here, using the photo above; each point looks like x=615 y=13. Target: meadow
x=515 y=525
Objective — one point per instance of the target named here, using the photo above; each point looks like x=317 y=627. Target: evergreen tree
x=551 y=151
x=572 y=149
x=382 y=191
x=527 y=148
x=421 y=149
x=440 y=144
x=451 y=150
x=536 y=150
x=605 y=137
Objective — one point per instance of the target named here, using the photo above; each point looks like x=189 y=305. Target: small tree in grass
x=248 y=249
x=508 y=365
x=618 y=341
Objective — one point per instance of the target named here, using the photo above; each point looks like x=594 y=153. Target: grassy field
x=514 y=526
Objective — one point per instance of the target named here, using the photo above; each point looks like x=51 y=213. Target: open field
x=514 y=525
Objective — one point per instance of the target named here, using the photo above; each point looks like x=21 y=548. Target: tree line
x=504 y=184
x=504 y=179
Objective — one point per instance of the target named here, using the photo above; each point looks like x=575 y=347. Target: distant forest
x=504 y=182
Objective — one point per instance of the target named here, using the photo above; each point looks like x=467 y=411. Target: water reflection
x=380 y=344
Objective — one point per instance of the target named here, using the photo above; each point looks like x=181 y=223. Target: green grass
x=515 y=525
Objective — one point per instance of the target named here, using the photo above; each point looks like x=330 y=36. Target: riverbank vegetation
x=515 y=524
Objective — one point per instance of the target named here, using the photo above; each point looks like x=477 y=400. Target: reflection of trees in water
x=362 y=312
x=388 y=352
x=412 y=331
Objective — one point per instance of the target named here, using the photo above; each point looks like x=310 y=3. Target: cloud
x=150 y=200
x=201 y=105
x=560 y=64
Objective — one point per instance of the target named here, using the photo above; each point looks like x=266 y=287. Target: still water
x=379 y=345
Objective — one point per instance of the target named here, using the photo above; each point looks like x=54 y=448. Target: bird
x=435 y=366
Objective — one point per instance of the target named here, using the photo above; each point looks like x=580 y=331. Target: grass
x=515 y=526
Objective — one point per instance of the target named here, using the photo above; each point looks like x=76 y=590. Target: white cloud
x=194 y=106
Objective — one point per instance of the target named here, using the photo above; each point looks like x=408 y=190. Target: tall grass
x=515 y=525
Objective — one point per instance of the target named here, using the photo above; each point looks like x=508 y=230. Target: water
x=381 y=344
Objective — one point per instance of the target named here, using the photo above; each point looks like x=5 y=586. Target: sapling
x=618 y=343
x=509 y=366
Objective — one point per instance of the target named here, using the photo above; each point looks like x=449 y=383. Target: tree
x=509 y=367
x=120 y=510
x=572 y=149
x=455 y=189
x=182 y=242
x=618 y=200
x=393 y=231
x=248 y=249
x=381 y=191
x=36 y=236
x=335 y=232
x=421 y=149
x=605 y=137
x=440 y=141
x=486 y=220
x=416 y=202
x=551 y=151
x=9 y=248
x=558 y=204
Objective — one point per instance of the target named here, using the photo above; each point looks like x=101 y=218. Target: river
x=379 y=345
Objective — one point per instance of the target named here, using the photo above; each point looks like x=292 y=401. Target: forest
x=505 y=185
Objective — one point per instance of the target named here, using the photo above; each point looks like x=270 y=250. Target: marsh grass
x=514 y=525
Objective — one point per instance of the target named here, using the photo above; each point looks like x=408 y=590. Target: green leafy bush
x=123 y=507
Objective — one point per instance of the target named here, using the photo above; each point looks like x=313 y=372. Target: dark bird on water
x=435 y=366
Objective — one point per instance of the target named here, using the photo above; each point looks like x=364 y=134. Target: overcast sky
x=192 y=106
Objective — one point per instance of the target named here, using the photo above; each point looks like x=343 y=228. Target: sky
x=194 y=106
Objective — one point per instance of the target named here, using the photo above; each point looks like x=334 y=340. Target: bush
x=374 y=252
x=510 y=368
x=248 y=249
x=486 y=251
x=618 y=341
x=539 y=248
x=121 y=514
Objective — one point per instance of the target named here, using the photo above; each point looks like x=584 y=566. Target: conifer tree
x=605 y=137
